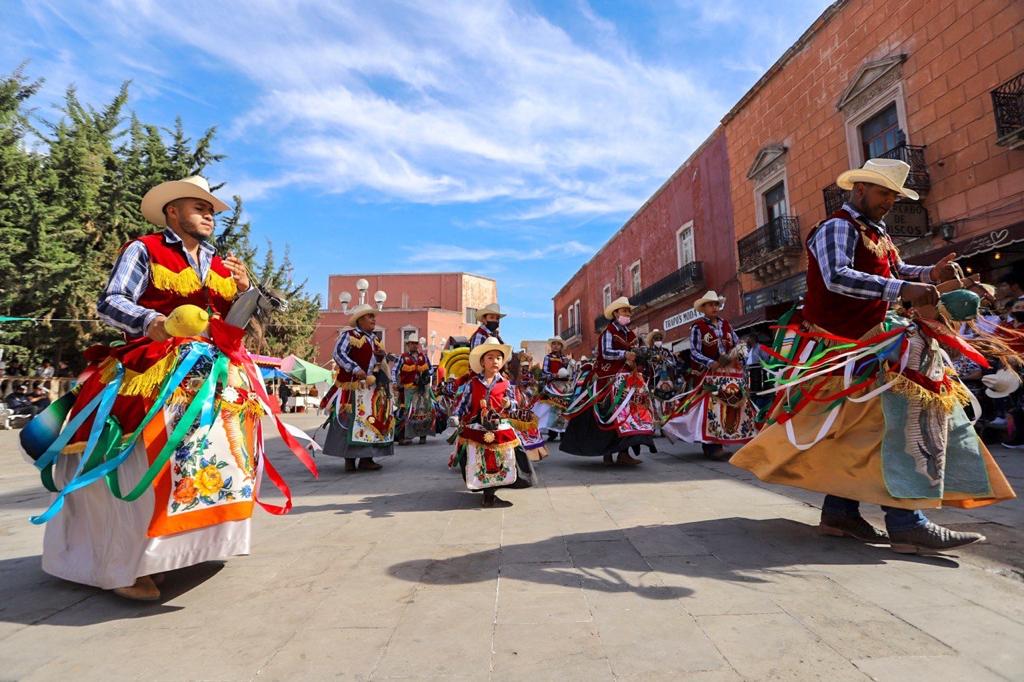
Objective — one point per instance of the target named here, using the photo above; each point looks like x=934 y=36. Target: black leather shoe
x=851 y=527
x=930 y=538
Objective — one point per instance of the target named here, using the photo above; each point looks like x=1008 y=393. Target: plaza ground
x=681 y=569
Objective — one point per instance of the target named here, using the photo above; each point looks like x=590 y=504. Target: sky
x=507 y=139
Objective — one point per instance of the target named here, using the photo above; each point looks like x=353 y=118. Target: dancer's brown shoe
x=625 y=459
x=930 y=538
x=144 y=589
x=851 y=527
x=367 y=464
x=350 y=464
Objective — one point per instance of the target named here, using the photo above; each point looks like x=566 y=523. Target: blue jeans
x=895 y=519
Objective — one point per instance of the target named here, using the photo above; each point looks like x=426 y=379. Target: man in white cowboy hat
x=408 y=377
x=711 y=339
x=362 y=382
x=854 y=273
x=489 y=318
x=119 y=545
x=185 y=209
x=617 y=417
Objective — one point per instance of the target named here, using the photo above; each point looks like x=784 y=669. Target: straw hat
x=889 y=173
x=654 y=333
x=556 y=339
x=491 y=309
x=477 y=354
x=709 y=296
x=1001 y=384
x=360 y=311
x=194 y=187
x=620 y=302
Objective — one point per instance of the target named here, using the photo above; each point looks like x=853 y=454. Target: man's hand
x=630 y=357
x=943 y=270
x=359 y=375
x=919 y=294
x=156 y=329
x=713 y=366
x=239 y=273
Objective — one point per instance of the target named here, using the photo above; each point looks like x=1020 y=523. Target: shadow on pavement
x=41 y=599
x=729 y=549
x=387 y=506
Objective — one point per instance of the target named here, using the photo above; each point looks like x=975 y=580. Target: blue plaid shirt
x=118 y=304
x=834 y=245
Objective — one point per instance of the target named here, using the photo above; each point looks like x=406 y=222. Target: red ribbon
x=953 y=341
x=228 y=339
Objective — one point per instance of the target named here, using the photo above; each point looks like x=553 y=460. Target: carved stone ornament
x=869 y=82
x=768 y=160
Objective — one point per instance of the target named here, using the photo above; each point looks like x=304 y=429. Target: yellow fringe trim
x=357 y=341
x=186 y=282
x=142 y=384
x=957 y=394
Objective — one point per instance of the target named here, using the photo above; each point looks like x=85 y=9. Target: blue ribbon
x=81 y=480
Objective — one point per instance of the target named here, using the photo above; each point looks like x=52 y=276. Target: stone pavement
x=682 y=569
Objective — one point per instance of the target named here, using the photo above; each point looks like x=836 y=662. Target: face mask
x=657 y=344
x=623 y=319
x=492 y=326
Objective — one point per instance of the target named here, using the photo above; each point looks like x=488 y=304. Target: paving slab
x=681 y=568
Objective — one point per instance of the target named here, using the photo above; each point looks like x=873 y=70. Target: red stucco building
x=937 y=84
x=432 y=306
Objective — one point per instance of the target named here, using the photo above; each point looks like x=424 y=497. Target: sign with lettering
x=907 y=219
x=787 y=290
x=679 y=319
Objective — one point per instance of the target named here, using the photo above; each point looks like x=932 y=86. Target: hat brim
x=617 y=304
x=480 y=314
x=846 y=180
x=359 y=313
x=476 y=355
x=700 y=302
x=166 y=192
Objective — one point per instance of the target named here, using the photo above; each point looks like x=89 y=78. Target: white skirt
x=99 y=540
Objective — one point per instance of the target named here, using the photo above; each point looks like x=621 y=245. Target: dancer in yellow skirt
x=868 y=407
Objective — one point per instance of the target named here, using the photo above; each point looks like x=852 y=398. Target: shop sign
x=786 y=290
x=679 y=319
x=907 y=219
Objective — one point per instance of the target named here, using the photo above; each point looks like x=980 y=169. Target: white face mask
x=623 y=319
x=657 y=344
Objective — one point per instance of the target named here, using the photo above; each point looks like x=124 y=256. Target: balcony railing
x=1008 y=106
x=917 y=179
x=766 y=242
x=570 y=332
x=682 y=280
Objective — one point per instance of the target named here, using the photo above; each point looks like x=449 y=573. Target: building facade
x=917 y=81
x=675 y=247
x=938 y=84
x=430 y=306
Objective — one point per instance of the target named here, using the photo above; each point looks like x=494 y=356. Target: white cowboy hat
x=477 y=354
x=710 y=296
x=649 y=339
x=620 y=302
x=412 y=338
x=556 y=339
x=194 y=187
x=1001 y=384
x=360 y=311
x=490 y=309
x=889 y=173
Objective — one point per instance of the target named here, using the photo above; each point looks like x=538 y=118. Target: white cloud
x=434 y=102
x=458 y=253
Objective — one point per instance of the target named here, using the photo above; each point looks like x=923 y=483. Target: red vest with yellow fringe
x=173 y=282
x=412 y=365
x=360 y=349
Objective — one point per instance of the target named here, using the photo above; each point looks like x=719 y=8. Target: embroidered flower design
x=185 y=491
x=208 y=480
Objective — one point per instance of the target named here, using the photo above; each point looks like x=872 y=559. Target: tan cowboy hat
x=1001 y=384
x=490 y=309
x=477 y=354
x=360 y=311
x=194 y=187
x=412 y=338
x=889 y=173
x=556 y=339
x=649 y=339
x=710 y=296
x=620 y=302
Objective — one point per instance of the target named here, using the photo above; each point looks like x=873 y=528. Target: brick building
x=432 y=306
x=908 y=80
x=675 y=247
x=939 y=84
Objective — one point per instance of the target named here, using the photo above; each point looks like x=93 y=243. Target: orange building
x=432 y=306
x=937 y=84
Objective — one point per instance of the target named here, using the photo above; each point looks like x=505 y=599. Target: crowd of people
x=859 y=395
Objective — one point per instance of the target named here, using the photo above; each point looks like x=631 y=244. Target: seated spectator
x=45 y=370
x=39 y=397
x=15 y=369
x=63 y=370
x=19 y=402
